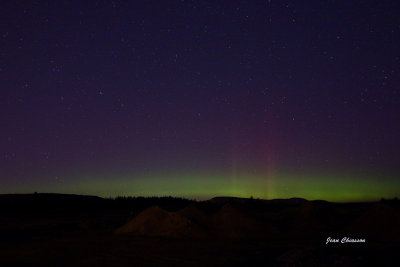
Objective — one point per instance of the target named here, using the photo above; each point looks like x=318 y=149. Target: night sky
x=270 y=99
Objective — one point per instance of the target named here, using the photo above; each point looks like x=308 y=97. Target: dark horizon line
x=196 y=200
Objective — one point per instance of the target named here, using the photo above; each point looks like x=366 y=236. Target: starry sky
x=270 y=99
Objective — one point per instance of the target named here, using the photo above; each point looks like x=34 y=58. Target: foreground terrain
x=70 y=230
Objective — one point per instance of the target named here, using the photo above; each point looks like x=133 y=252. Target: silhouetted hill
x=49 y=202
x=46 y=202
x=238 y=200
x=225 y=200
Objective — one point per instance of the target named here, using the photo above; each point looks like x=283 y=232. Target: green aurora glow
x=332 y=187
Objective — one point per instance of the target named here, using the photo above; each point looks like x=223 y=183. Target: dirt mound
x=380 y=222
x=308 y=219
x=195 y=215
x=230 y=222
x=192 y=222
x=155 y=221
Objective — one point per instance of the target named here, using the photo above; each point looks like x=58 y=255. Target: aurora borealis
x=270 y=99
x=201 y=186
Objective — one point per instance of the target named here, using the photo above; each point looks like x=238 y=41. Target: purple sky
x=197 y=86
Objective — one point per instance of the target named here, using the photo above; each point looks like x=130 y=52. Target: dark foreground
x=65 y=230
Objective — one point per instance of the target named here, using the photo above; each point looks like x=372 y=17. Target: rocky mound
x=196 y=215
x=230 y=222
x=308 y=219
x=155 y=221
